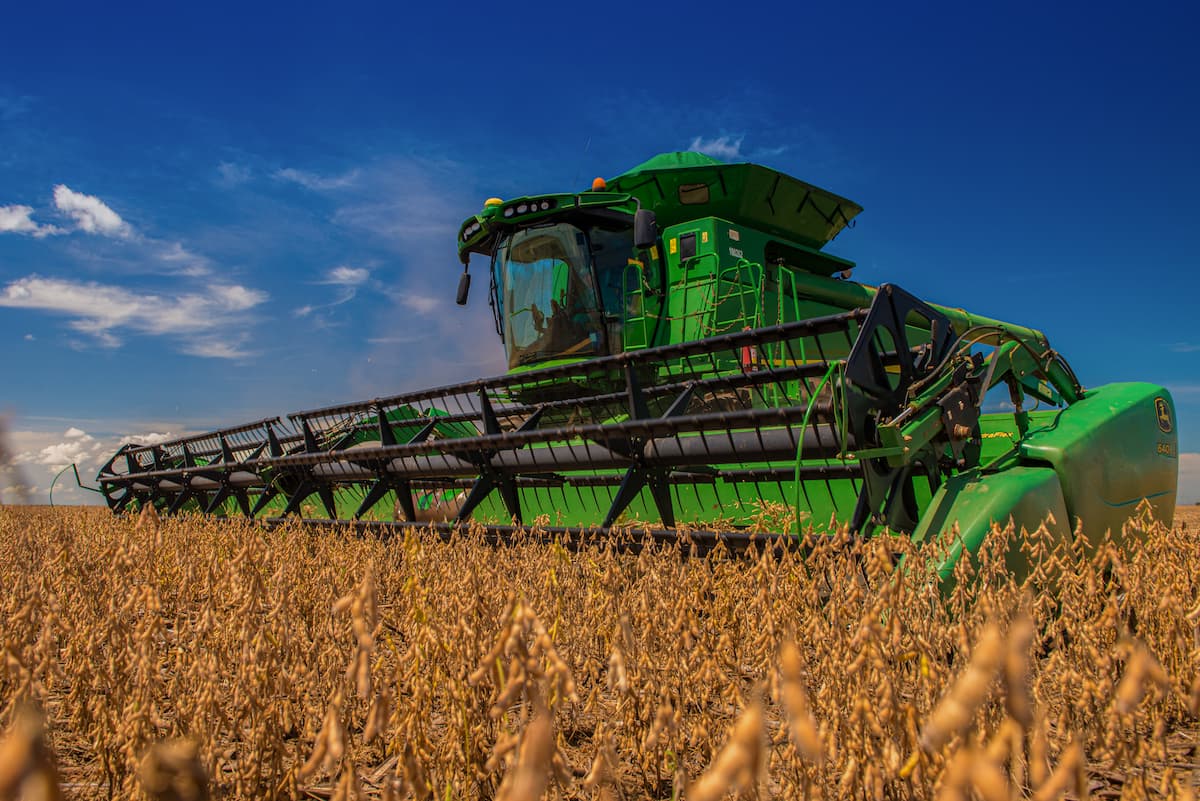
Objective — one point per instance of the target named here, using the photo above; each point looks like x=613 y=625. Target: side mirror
x=464 y=288
x=645 y=229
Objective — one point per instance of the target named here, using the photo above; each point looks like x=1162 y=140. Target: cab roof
x=683 y=186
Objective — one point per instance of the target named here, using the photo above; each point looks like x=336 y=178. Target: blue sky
x=218 y=213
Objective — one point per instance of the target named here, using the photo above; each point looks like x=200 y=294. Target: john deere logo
x=1163 y=410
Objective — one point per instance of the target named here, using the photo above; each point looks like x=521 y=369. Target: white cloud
x=215 y=349
x=38 y=456
x=723 y=147
x=1185 y=347
x=152 y=438
x=184 y=261
x=315 y=182
x=30 y=337
x=347 y=280
x=421 y=304
x=19 y=220
x=100 y=310
x=90 y=213
x=62 y=454
x=93 y=216
x=102 y=338
x=234 y=297
x=73 y=446
x=347 y=276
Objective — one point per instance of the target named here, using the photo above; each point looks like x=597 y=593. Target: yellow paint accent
x=654 y=252
x=674 y=244
x=703 y=236
x=492 y=201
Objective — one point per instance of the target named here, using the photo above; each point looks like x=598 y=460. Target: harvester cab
x=558 y=268
x=589 y=274
x=682 y=350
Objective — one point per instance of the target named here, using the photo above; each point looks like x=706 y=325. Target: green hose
x=833 y=368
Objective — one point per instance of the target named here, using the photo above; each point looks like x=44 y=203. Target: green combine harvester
x=682 y=352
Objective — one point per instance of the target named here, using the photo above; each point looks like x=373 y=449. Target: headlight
x=530 y=207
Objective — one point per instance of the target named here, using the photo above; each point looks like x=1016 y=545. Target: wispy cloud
x=130 y=251
x=413 y=204
x=346 y=279
x=421 y=304
x=184 y=261
x=230 y=174
x=399 y=340
x=405 y=209
x=215 y=349
x=722 y=147
x=90 y=213
x=315 y=181
x=201 y=320
x=412 y=207
x=731 y=147
x=19 y=220
x=1185 y=347
x=347 y=276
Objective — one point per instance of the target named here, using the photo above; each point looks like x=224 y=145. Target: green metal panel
x=1116 y=447
x=746 y=504
x=973 y=502
x=1090 y=464
x=684 y=186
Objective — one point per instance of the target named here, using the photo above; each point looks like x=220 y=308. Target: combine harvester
x=682 y=351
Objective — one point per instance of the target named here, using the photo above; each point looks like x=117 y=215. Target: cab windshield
x=548 y=301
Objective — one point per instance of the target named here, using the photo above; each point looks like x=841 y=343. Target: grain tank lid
x=684 y=186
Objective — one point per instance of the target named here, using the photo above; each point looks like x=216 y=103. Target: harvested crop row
x=186 y=657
